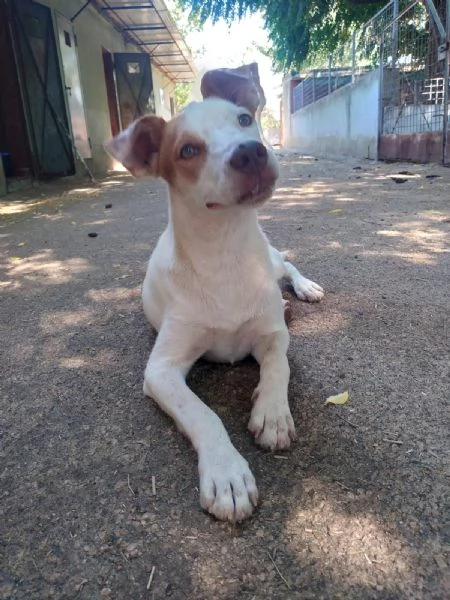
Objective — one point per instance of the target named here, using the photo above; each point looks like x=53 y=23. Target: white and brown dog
x=211 y=287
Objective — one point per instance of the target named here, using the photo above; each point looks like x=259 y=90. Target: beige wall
x=163 y=91
x=94 y=32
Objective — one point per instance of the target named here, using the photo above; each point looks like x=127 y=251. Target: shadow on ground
x=357 y=509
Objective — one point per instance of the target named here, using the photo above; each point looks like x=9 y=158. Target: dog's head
x=211 y=154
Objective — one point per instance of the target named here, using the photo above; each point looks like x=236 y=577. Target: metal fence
x=413 y=83
x=408 y=41
x=359 y=55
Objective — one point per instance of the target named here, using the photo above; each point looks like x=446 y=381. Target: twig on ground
x=153 y=485
x=129 y=486
x=288 y=585
x=150 y=579
x=398 y=442
x=347 y=421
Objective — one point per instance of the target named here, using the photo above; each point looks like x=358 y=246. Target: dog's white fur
x=211 y=288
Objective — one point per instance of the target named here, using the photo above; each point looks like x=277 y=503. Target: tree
x=269 y=120
x=298 y=29
x=181 y=94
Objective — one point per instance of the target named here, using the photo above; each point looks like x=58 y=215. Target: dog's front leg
x=271 y=421
x=227 y=486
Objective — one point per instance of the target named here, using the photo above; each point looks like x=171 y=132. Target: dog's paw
x=272 y=425
x=227 y=486
x=308 y=290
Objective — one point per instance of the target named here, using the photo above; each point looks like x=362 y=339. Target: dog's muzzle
x=256 y=175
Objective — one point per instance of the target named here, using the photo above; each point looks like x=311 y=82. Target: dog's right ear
x=239 y=86
x=137 y=147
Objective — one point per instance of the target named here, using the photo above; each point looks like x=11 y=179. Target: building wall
x=163 y=92
x=344 y=122
x=94 y=33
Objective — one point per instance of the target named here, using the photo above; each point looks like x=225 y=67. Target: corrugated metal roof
x=149 y=25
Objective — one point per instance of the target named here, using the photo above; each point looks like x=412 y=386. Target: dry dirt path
x=357 y=510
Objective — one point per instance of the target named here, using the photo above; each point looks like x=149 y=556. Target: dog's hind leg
x=304 y=288
x=227 y=486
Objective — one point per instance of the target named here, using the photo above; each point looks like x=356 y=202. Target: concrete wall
x=163 y=92
x=345 y=122
x=94 y=33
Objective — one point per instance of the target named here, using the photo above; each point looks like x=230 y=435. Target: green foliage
x=269 y=120
x=181 y=95
x=299 y=30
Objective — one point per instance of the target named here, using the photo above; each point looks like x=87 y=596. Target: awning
x=149 y=25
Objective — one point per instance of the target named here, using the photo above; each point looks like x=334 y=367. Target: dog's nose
x=249 y=158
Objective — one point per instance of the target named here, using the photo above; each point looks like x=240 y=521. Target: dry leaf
x=335 y=211
x=15 y=259
x=21 y=244
x=338 y=399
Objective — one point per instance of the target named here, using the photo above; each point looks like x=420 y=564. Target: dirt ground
x=99 y=490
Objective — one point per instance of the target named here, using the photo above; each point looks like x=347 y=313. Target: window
x=133 y=68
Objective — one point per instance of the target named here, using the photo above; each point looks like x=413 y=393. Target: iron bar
x=446 y=99
x=436 y=18
x=80 y=11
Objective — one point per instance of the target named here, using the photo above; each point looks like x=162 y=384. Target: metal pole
x=395 y=33
x=353 y=56
x=329 y=74
x=394 y=50
x=446 y=99
x=381 y=93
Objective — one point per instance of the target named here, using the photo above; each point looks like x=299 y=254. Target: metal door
x=134 y=86
x=42 y=91
x=74 y=94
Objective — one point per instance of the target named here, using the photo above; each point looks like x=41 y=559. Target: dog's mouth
x=261 y=190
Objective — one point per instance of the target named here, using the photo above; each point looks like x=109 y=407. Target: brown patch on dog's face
x=182 y=155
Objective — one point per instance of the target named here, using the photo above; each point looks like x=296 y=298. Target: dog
x=211 y=288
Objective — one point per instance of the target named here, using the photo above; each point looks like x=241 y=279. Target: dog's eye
x=245 y=120
x=189 y=151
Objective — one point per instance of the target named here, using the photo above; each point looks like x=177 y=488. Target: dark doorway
x=42 y=90
x=108 y=66
x=13 y=133
x=134 y=86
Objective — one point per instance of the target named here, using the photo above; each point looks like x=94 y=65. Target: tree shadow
x=98 y=486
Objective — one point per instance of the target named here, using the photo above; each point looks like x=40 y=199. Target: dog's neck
x=199 y=233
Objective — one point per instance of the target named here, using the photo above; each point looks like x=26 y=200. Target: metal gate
x=42 y=90
x=414 y=95
x=134 y=86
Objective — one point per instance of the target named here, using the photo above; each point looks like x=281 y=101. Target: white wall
x=163 y=90
x=344 y=122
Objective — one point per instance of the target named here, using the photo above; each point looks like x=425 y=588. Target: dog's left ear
x=137 y=146
x=239 y=86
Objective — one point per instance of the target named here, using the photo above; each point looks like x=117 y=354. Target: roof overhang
x=149 y=25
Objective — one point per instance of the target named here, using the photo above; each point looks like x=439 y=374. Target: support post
x=353 y=56
x=446 y=98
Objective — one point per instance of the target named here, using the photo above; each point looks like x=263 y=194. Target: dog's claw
x=272 y=426
x=308 y=290
x=227 y=487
